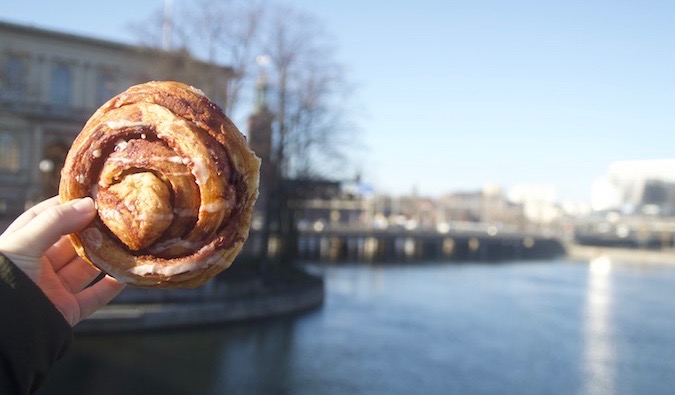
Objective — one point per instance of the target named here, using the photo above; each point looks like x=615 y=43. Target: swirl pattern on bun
x=174 y=183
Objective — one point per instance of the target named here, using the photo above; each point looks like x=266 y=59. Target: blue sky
x=460 y=94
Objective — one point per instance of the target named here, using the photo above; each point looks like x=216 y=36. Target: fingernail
x=85 y=205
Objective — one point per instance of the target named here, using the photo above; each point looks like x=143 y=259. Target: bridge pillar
x=448 y=247
x=474 y=246
x=370 y=248
x=336 y=245
x=410 y=248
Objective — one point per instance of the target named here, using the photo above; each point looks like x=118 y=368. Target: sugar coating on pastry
x=174 y=183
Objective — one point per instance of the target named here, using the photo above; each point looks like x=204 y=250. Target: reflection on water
x=520 y=328
x=599 y=354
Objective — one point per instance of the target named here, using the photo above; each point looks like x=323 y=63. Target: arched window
x=61 y=85
x=13 y=78
x=105 y=88
x=10 y=153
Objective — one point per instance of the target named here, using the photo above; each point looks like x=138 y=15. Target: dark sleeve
x=33 y=333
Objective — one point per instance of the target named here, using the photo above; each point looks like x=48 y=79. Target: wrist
x=27 y=265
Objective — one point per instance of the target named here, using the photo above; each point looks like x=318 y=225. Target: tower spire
x=261 y=84
x=261 y=93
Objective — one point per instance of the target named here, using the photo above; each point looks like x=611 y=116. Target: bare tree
x=218 y=32
x=227 y=32
x=308 y=90
x=306 y=95
x=170 y=54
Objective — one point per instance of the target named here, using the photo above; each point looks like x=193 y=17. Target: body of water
x=548 y=327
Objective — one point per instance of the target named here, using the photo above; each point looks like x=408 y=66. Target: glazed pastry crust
x=174 y=182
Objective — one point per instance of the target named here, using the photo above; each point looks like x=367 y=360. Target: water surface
x=542 y=327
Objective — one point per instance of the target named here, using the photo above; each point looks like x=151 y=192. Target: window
x=10 y=153
x=12 y=79
x=61 y=85
x=105 y=87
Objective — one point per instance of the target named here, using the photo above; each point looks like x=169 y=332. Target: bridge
x=458 y=241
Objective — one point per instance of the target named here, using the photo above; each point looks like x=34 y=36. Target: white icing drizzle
x=200 y=171
x=145 y=216
x=109 y=213
x=121 y=145
x=130 y=205
x=96 y=153
x=81 y=178
x=123 y=123
x=185 y=212
x=218 y=205
x=197 y=91
x=176 y=242
x=154 y=159
x=121 y=160
x=179 y=267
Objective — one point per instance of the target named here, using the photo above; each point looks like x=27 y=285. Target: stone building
x=637 y=187
x=51 y=82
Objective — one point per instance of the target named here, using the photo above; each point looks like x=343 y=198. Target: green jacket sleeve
x=33 y=333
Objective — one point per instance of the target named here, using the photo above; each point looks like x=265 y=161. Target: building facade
x=51 y=82
x=637 y=187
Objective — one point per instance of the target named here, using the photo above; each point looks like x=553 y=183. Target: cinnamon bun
x=174 y=183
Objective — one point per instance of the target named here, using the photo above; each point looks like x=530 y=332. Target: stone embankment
x=218 y=302
x=621 y=255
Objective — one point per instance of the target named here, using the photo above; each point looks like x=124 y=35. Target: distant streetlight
x=46 y=165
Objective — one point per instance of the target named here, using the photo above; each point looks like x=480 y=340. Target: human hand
x=37 y=243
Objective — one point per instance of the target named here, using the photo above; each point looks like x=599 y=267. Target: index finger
x=50 y=225
x=31 y=213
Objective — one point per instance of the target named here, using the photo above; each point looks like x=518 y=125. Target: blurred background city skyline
x=454 y=96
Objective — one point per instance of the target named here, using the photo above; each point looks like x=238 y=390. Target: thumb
x=38 y=235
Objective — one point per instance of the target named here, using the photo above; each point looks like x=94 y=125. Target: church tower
x=260 y=138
